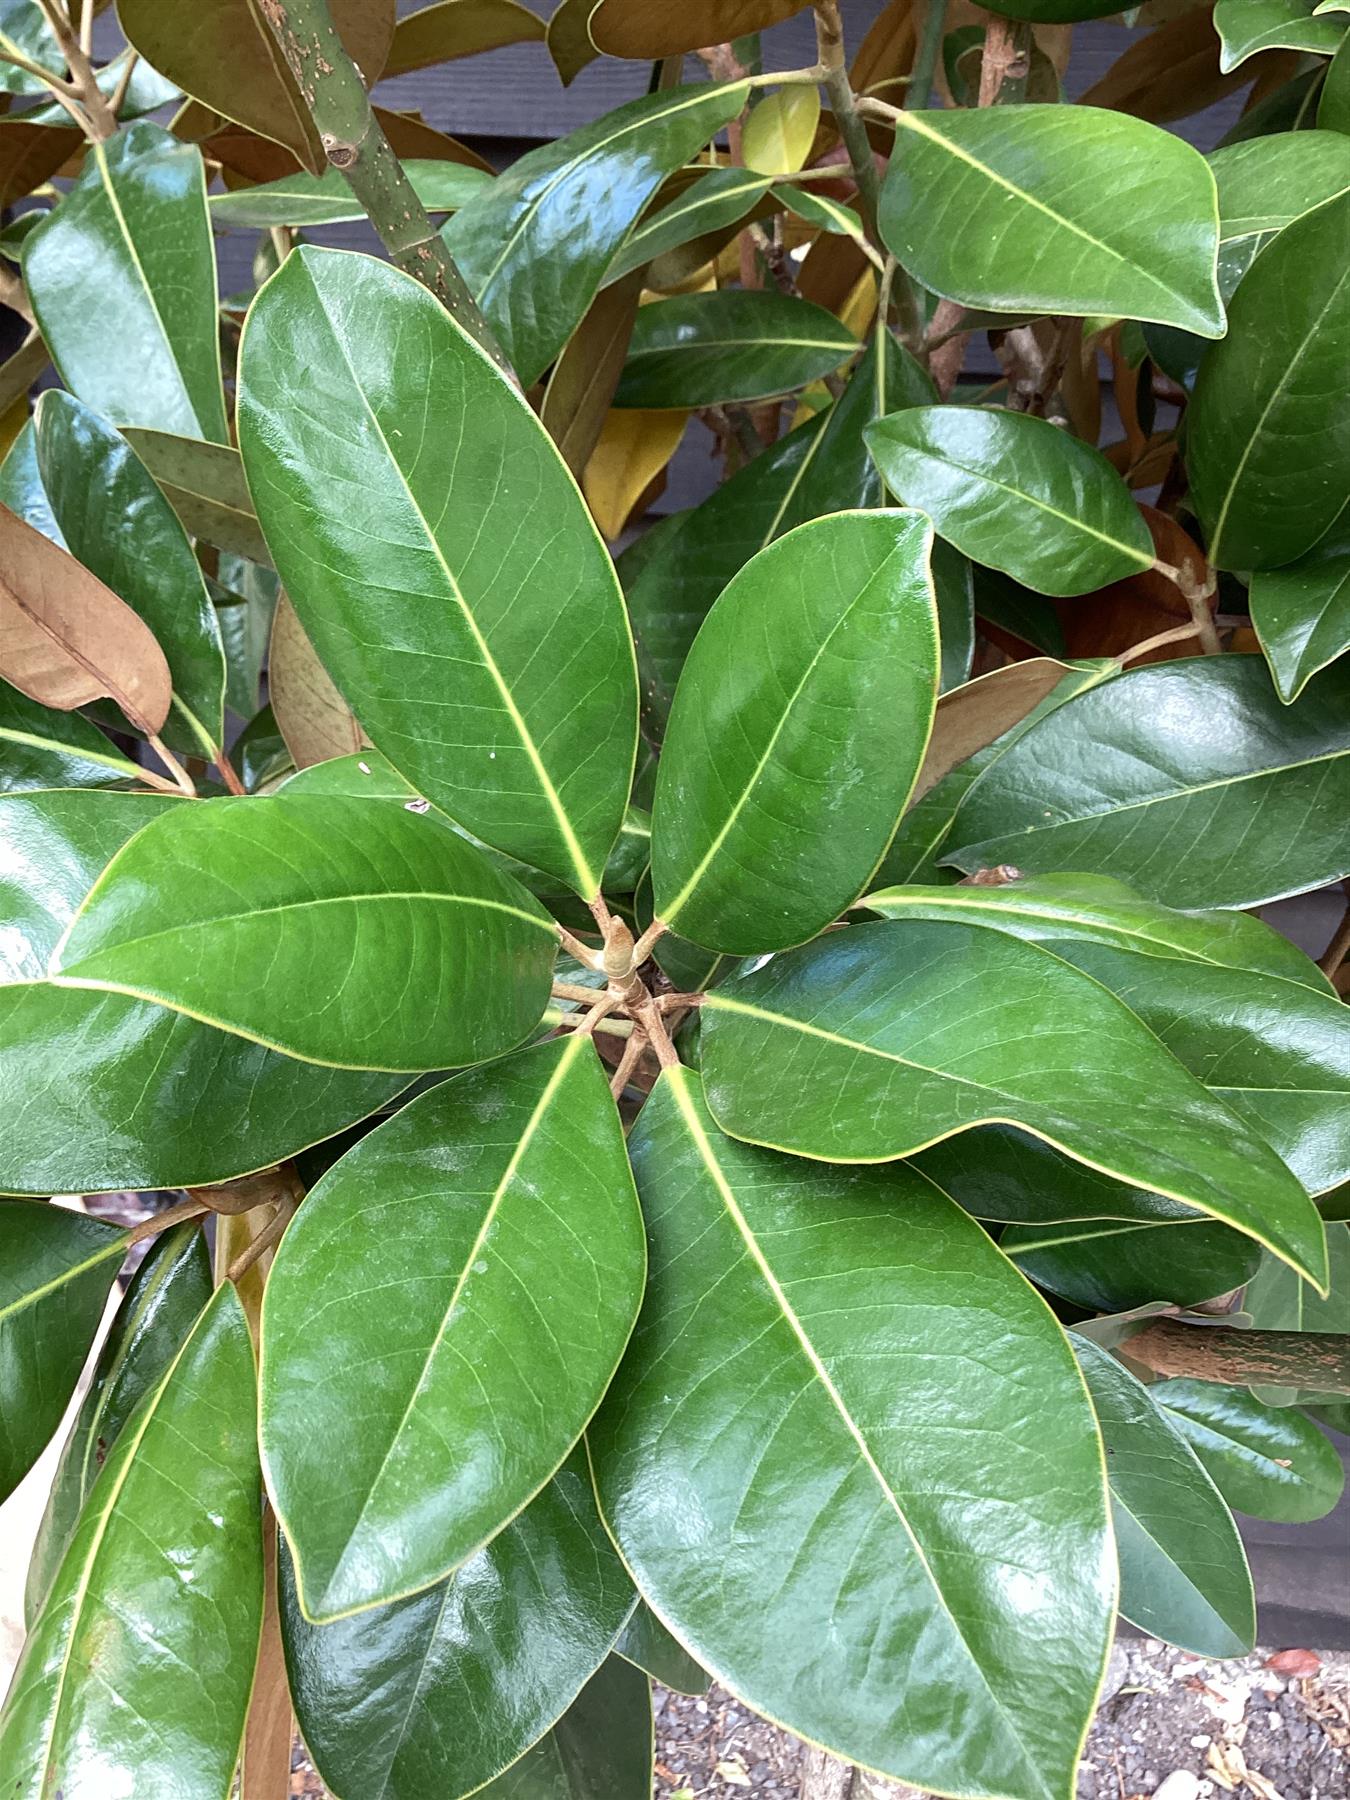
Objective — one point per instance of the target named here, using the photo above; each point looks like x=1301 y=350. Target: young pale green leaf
x=438 y=1693
x=1119 y=782
x=1270 y=1462
x=44 y=749
x=797 y=732
x=116 y=521
x=344 y=931
x=601 y=1749
x=777 y=136
x=162 y=1302
x=768 y=1493
x=718 y=198
x=645 y=1642
x=122 y=277
x=1016 y=493
x=137 y=1674
x=458 y=592
x=204 y=484
x=864 y=1046
x=738 y=344
x=304 y=200
x=1301 y=613
x=100 y=1092
x=1267 y=431
x=1248 y=26
x=535 y=245
x=1183 y=1571
x=477 y=1264
x=56 y=1268
x=1056 y=209
x=1110 y=1265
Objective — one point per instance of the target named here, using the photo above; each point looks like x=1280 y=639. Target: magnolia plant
x=741 y=1102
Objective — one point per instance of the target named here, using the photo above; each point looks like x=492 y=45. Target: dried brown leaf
x=312 y=717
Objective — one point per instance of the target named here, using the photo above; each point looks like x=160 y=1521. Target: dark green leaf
x=763 y=1484
x=601 y=1749
x=1247 y=26
x=1301 y=613
x=1119 y=782
x=1266 y=184
x=996 y=1172
x=1017 y=493
x=1270 y=1462
x=438 y=1693
x=449 y=28
x=1056 y=209
x=122 y=277
x=204 y=483
x=1109 y=1265
x=535 y=246
x=954 y=586
x=1333 y=107
x=797 y=731
x=739 y=344
x=718 y=198
x=529 y=743
x=467 y=1276
x=1183 y=1573
x=303 y=199
x=645 y=1642
x=860 y=1048
x=47 y=749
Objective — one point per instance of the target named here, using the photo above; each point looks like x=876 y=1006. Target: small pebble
x=1179 y=1785
x=1201 y=1742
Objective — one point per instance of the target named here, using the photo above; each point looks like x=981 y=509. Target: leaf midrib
x=32 y=1296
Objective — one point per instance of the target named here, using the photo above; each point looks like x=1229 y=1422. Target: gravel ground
x=1170 y=1727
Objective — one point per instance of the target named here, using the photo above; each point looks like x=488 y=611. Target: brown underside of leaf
x=312 y=717
x=1174 y=72
x=1109 y=621
x=972 y=716
x=583 y=381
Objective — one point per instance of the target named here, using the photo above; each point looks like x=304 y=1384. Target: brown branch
x=1309 y=1359
x=81 y=96
x=1338 y=949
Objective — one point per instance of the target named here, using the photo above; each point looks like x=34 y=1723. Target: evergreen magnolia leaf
x=1301 y=613
x=440 y=32
x=1119 y=782
x=1183 y=1571
x=1248 y=26
x=601 y=1748
x=652 y=28
x=1015 y=492
x=535 y=245
x=101 y=1092
x=737 y=344
x=47 y=749
x=204 y=484
x=645 y=1642
x=122 y=277
x=1265 y=184
x=770 y=1495
x=797 y=732
x=439 y=1692
x=1055 y=209
x=56 y=1268
x=458 y=594
x=161 y=1305
x=344 y=931
x=1267 y=431
x=1110 y=1265
x=167 y=1554
x=116 y=521
x=855 y=1049
x=327 y=199
x=1270 y=1462
x=499 y=1210
x=719 y=197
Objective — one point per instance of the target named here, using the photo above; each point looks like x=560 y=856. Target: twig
x=1338 y=949
x=270 y=1234
x=119 y=93
x=589 y=958
x=225 y=769
x=164 y=1221
x=81 y=95
x=920 y=88
x=648 y=1015
x=643 y=948
x=1197 y=599
x=1311 y=1359
x=1175 y=636
x=557 y=1020
x=632 y=1055
x=1006 y=61
x=566 y=990
x=182 y=780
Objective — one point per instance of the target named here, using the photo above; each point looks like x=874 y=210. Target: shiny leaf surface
x=1265 y=184
x=702 y=349
x=1248 y=26
x=342 y=907
x=1183 y=1573
x=46 y=749
x=1016 y=493
x=303 y=199
x=499 y=1209
x=1110 y=1265
x=204 y=484
x=1301 y=613
x=127 y=258
x=851 y=1049
x=137 y=1675
x=720 y=197
x=530 y=743
x=1270 y=1462
x=601 y=1749
x=787 y=1305
x=777 y=136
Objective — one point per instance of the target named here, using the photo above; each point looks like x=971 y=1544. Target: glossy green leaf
x=797 y=732
x=443 y=1317
x=162 y=1302
x=1270 y=1462
x=1183 y=1572
x=24 y=28
x=204 y=484
x=820 y=209
x=136 y=1678
x=1248 y=26
x=438 y=1693
x=645 y=1642
x=954 y=587
x=780 y=128
x=307 y=923
x=56 y=1268
x=529 y=743
x=1119 y=782
x=1268 y=434
x=763 y=1484
x=1265 y=184
x=601 y=1749
x=737 y=344
x=1015 y=492
x=21 y=488
x=1301 y=613
x=1333 y=105
x=719 y=198
x=126 y=264
x=450 y=28
x=1109 y=1265
x=303 y=199
x=535 y=246
x=100 y=1092
x=1278 y=1300
x=41 y=748
x=119 y=525
x=856 y=1049
x=1055 y=209
x=999 y=1173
